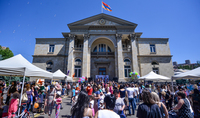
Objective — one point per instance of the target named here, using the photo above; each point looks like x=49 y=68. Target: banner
x=105 y=78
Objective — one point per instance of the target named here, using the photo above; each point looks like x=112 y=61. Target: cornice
x=49 y=55
x=155 y=55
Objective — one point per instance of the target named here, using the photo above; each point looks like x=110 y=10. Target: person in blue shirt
x=73 y=93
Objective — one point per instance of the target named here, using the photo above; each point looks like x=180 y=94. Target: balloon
x=36 y=105
x=136 y=73
x=138 y=76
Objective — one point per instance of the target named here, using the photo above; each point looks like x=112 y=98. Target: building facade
x=103 y=45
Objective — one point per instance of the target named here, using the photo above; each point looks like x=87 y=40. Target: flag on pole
x=106 y=7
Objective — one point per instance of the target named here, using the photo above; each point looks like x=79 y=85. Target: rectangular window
x=77 y=71
x=156 y=70
x=102 y=71
x=127 y=70
x=51 y=48
x=152 y=48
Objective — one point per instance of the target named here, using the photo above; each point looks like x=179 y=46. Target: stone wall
x=165 y=65
x=58 y=62
x=42 y=46
x=162 y=46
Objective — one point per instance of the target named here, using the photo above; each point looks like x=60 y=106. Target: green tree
x=6 y=53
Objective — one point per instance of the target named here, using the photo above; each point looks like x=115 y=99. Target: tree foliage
x=6 y=53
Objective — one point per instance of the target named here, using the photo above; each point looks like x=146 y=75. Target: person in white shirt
x=108 y=112
x=131 y=95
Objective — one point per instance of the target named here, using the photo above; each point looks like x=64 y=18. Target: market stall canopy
x=192 y=74
x=60 y=75
x=154 y=77
x=19 y=66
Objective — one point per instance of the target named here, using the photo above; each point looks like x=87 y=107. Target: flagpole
x=101 y=6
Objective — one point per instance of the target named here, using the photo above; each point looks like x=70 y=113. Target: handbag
x=24 y=97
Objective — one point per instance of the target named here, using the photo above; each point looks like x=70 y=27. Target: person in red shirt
x=89 y=90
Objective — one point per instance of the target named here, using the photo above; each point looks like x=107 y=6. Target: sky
x=21 y=21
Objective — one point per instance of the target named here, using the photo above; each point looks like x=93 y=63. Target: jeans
x=135 y=98
x=28 y=106
x=131 y=103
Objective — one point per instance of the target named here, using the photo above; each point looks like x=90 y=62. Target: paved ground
x=65 y=112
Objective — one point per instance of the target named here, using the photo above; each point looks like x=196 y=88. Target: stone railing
x=78 y=49
x=126 y=49
x=102 y=53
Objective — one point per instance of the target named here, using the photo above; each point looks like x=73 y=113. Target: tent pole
x=21 y=92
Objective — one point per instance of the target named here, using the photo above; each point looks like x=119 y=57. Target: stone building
x=103 y=45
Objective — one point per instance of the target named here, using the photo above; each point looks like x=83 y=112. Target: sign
x=103 y=77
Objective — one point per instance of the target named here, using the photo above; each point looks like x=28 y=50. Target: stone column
x=70 y=65
x=89 y=62
x=116 y=63
x=85 y=56
x=120 y=57
x=134 y=53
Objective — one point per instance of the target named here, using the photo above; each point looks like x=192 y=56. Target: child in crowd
x=58 y=104
x=13 y=105
x=63 y=91
x=40 y=101
x=91 y=105
x=74 y=99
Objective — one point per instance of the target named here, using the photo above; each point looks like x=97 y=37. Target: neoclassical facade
x=103 y=45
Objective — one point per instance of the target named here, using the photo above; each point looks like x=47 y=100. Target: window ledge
x=152 y=52
x=50 y=53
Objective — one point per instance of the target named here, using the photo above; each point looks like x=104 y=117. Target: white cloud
x=27 y=2
x=55 y=15
x=40 y=3
x=18 y=25
x=13 y=31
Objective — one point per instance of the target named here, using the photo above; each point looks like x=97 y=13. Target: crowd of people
x=100 y=99
x=119 y=100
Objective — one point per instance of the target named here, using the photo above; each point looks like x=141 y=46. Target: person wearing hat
x=89 y=90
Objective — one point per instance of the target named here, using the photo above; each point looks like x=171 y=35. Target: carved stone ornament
x=86 y=36
x=71 y=36
x=119 y=36
x=102 y=22
x=132 y=36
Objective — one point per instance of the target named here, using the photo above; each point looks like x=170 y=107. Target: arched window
x=49 y=63
x=109 y=50
x=127 y=60
x=49 y=66
x=78 y=60
x=102 y=47
x=154 y=63
x=95 y=49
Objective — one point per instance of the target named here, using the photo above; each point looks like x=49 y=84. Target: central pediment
x=101 y=20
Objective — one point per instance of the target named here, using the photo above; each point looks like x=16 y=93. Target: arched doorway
x=102 y=58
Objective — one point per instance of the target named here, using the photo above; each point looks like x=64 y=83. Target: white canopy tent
x=61 y=76
x=154 y=77
x=192 y=74
x=19 y=66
